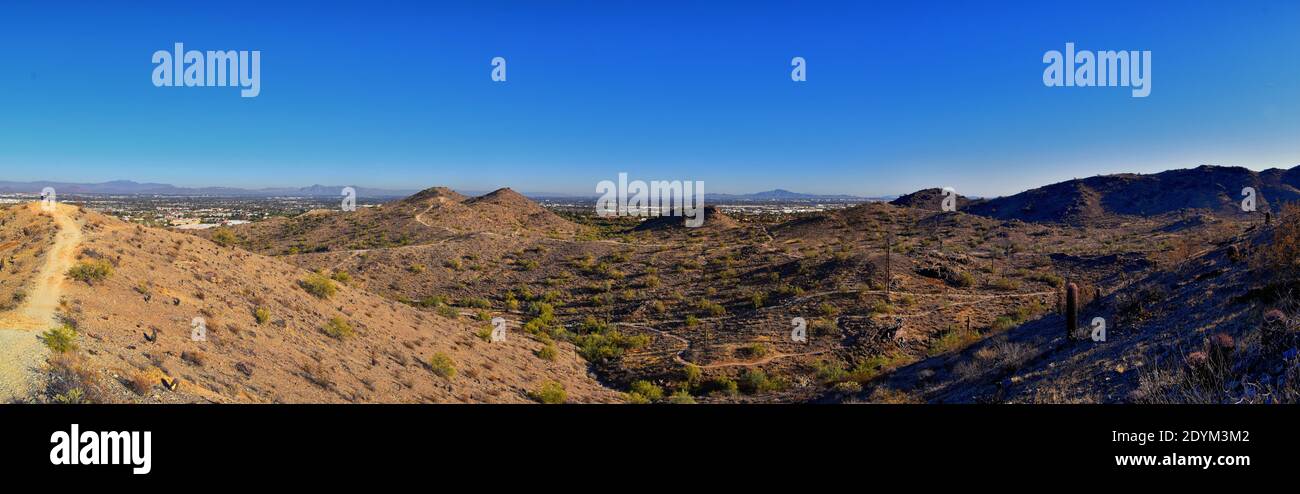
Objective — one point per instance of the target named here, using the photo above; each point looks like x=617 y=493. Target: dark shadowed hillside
x=1212 y=188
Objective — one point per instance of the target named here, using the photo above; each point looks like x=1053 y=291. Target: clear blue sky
x=390 y=94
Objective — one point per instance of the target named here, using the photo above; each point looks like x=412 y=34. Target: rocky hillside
x=1211 y=188
x=426 y=217
x=1220 y=326
x=273 y=333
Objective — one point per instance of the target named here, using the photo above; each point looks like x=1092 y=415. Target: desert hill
x=268 y=339
x=428 y=216
x=1210 y=188
x=929 y=199
x=713 y=219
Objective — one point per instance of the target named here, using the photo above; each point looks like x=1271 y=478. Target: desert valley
x=898 y=302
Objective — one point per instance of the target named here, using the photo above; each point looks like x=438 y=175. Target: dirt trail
x=21 y=352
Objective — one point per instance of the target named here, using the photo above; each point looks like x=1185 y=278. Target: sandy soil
x=21 y=352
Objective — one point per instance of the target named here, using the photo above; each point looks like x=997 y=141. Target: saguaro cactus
x=1071 y=311
x=889 y=271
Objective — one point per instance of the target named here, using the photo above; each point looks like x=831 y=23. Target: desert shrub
x=882 y=307
x=647 y=390
x=338 y=328
x=224 y=237
x=832 y=372
x=442 y=365
x=963 y=279
x=849 y=387
x=319 y=286
x=1051 y=279
x=759 y=299
x=432 y=301
x=681 y=398
x=195 y=357
x=756 y=381
x=548 y=352
x=712 y=308
x=475 y=303
x=952 y=339
x=528 y=265
x=722 y=385
x=550 y=393
x=822 y=327
x=91 y=272
x=341 y=277
x=692 y=374
x=448 y=312
x=658 y=307
x=261 y=315
x=753 y=350
x=62 y=339
x=140 y=382
x=827 y=310
x=1282 y=255
x=71 y=381
x=1007 y=284
x=607 y=343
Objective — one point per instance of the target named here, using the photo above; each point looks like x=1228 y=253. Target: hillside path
x=21 y=352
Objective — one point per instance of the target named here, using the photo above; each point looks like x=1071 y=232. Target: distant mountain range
x=782 y=195
x=127 y=187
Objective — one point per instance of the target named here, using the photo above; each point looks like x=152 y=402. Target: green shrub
x=319 y=286
x=341 y=277
x=693 y=374
x=548 y=352
x=601 y=343
x=338 y=328
x=91 y=272
x=723 y=385
x=448 y=312
x=432 y=301
x=827 y=310
x=62 y=339
x=551 y=393
x=756 y=381
x=647 y=390
x=261 y=315
x=442 y=365
x=475 y=303
x=681 y=398
x=224 y=237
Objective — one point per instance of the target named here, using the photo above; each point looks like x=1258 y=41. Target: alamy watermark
x=193 y=68
x=1084 y=68
x=658 y=198
x=48 y=199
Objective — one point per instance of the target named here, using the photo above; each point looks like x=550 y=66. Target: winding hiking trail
x=21 y=352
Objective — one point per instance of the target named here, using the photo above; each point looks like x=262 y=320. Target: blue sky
x=392 y=94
